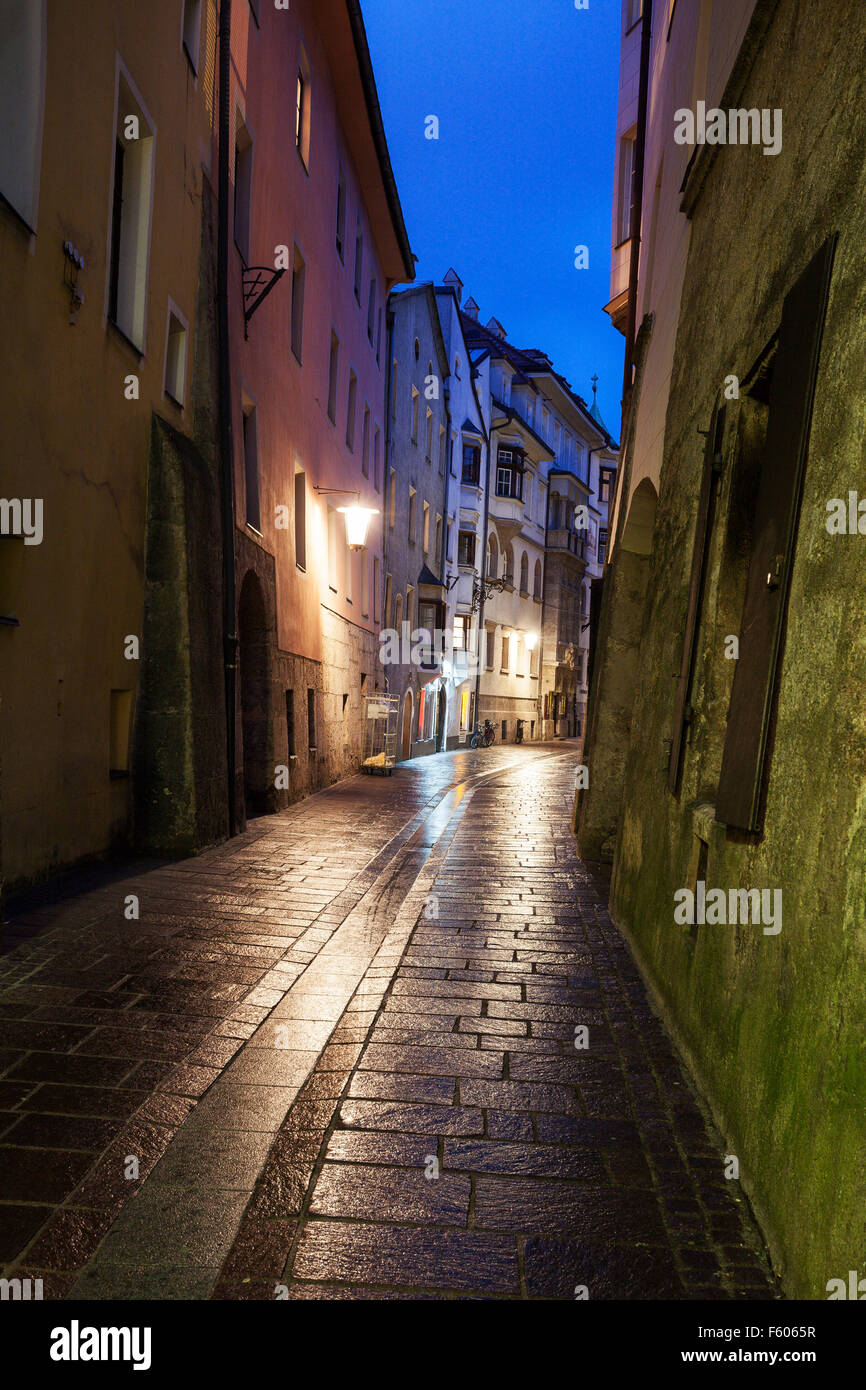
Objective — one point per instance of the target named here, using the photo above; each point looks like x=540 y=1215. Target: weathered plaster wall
x=774 y=1024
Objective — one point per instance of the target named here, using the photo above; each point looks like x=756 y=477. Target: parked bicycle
x=483 y=737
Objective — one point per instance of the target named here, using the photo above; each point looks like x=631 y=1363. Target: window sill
x=297 y=357
x=255 y=530
x=116 y=329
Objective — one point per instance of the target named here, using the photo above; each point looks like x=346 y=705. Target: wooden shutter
x=703 y=531
x=792 y=391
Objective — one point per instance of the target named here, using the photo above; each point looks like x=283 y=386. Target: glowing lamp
x=531 y=640
x=357 y=522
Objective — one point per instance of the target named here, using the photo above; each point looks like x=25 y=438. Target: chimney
x=453 y=281
x=470 y=309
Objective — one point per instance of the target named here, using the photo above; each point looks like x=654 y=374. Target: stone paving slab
x=342 y=1052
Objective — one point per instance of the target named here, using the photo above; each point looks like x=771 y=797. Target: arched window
x=398 y=612
x=536 y=585
x=492 y=557
x=524 y=574
x=509 y=564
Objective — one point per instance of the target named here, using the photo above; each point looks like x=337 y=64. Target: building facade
x=110 y=653
x=309 y=374
x=726 y=743
x=416 y=511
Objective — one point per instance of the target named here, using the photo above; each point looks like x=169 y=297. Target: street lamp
x=357 y=522
x=357 y=517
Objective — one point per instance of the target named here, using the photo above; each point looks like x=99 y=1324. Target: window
x=492 y=557
x=489 y=647
x=290 y=722
x=22 y=85
x=376 y=614
x=413 y=520
x=300 y=518
x=442 y=438
x=536 y=583
x=602 y=544
x=359 y=259
x=333 y=366
x=302 y=109
x=624 y=189
x=311 y=720
x=371 y=309
x=425 y=526
x=505 y=660
x=457 y=368
x=377 y=459
x=349 y=564
x=341 y=214
x=299 y=279
x=332 y=548
x=509 y=473
x=175 y=357
x=449 y=540
x=438 y=551
x=351 y=410
x=251 y=465
x=461 y=632
x=524 y=573
x=192 y=30
x=365 y=584
x=398 y=613
x=121 y=709
x=466 y=548
x=410 y=599
x=604 y=484
x=428 y=446
x=392 y=493
x=415 y=399
x=386 y=615
x=471 y=464
x=130 y=218
x=509 y=565
x=633 y=13
x=394 y=389
x=365 y=443
x=243 y=187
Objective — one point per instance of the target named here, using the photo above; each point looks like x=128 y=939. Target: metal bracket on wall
x=258 y=281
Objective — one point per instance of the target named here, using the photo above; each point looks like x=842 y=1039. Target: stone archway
x=255 y=697
x=406 y=735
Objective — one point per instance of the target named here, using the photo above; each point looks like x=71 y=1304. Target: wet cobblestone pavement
x=337 y=1058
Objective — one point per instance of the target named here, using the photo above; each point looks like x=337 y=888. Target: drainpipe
x=483 y=576
x=389 y=446
x=543 y=605
x=230 y=637
x=637 y=201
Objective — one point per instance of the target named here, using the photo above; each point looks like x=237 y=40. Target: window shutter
x=792 y=391
x=703 y=531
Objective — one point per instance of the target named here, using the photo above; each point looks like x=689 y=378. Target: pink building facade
x=317 y=242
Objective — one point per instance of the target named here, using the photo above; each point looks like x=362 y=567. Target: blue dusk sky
x=522 y=172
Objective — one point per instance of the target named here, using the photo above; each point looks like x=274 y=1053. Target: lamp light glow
x=357 y=522
x=531 y=640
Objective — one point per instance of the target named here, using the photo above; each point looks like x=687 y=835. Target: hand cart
x=380 y=733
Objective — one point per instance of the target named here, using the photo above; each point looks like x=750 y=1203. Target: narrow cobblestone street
x=337 y=1058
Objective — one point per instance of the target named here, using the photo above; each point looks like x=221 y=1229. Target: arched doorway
x=406 y=741
x=254 y=659
x=441 y=714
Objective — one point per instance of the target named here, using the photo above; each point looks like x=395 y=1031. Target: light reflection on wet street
x=342 y=1051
